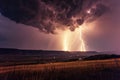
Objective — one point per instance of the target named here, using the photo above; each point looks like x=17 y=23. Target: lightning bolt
x=82 y=46
x=68 y=39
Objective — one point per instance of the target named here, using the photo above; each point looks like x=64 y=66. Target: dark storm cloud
x=49 y=15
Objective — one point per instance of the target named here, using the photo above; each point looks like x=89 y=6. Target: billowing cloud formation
x=49 y=15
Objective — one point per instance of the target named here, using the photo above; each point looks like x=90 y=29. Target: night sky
x=40 y=24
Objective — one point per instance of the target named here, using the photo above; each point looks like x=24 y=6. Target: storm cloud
x=49 y=15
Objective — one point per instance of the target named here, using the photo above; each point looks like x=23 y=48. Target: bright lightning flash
x=71 y=37
x=82 y=47
x=66 y=41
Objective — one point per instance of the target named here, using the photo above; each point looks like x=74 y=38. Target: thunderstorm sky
x=102 y=34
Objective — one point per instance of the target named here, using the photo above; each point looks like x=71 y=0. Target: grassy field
x=78 y=70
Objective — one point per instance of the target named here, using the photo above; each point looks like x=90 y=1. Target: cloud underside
x=49 y=15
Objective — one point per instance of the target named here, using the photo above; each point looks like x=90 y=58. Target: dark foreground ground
x=78 y=70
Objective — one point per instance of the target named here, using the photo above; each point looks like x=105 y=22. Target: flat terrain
x=77 y=70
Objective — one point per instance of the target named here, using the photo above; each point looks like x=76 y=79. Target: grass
x=78 y=70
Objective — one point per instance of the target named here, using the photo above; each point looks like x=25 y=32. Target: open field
x=78 y=70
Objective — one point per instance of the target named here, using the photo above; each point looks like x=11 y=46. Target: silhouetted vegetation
x=101 y=57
